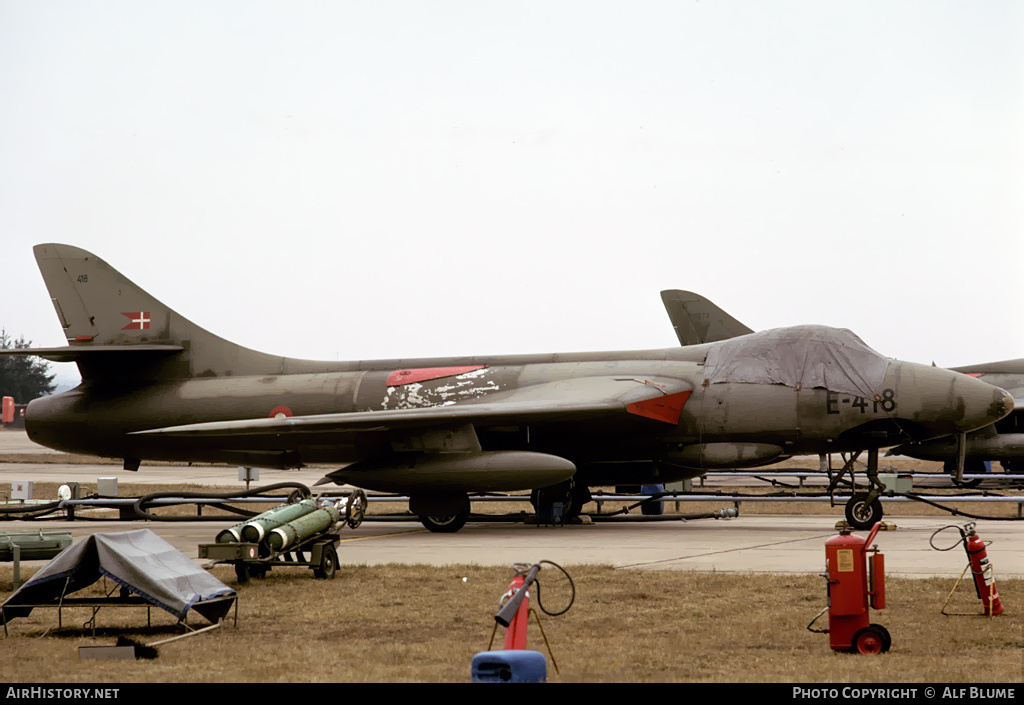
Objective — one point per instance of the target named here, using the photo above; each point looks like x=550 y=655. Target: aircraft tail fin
x=115 y=330
x=697 y=320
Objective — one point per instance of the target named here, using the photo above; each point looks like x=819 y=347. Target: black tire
x=860 y=514
x=241 y=573
x=886 y=638
x=448 y=524
x=571 y=495
x=355 y=508
x=869 y=640
x=328 y=563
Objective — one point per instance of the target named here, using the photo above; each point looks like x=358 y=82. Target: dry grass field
x=407 y=623
x=416 y=623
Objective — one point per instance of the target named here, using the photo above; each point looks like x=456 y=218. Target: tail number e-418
x=885 y=402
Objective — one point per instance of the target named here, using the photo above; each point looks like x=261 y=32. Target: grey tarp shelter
x=140 y=562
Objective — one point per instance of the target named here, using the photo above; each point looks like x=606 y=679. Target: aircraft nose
x=944 y=402
x=982 y=403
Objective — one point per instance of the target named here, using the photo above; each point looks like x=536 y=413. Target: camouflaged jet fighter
x=697 y=320
x=157 y=387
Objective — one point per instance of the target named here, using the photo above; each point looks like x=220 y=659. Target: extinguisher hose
x=572 y=595
x=509 y=609
x=931 y=539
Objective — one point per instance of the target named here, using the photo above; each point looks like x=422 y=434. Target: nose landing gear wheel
x=861 y=514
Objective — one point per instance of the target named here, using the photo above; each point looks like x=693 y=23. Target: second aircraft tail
x=697 y=320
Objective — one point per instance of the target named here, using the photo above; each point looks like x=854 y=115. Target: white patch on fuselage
x=468 y=385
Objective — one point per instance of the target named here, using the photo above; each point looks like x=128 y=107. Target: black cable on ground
x=41 y=511
x=639 y=518
x=142 y=501
x=29 y=513
x=956 y=512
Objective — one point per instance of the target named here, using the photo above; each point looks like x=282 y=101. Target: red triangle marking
x=665 y=408
x=400 y=377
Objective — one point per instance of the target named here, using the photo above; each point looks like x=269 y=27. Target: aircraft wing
x=654 y=398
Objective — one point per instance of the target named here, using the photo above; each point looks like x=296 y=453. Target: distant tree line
x=23 y=377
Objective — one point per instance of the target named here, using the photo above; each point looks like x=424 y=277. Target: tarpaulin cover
x=801 y=357
x=140 y=561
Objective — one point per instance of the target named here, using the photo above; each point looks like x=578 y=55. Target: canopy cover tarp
x=140 y=561
x=801 y=357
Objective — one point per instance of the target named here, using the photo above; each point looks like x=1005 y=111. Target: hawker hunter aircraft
x=697 y=320
x=157 y=387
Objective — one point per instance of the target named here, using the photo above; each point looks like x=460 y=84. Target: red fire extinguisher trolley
x=856 y=584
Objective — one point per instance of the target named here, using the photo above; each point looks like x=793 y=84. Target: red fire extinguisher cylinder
x=984 y=577
x=514 y=614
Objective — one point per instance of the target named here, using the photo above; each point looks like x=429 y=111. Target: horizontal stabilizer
x=75 y=353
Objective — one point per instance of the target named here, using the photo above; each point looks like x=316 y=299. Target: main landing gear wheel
x=571 y=495
x=447 y=524
x=873 y=639
x=861 y=514
x=355 y=508
x=328 y=563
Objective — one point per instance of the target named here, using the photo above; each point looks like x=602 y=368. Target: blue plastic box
x=510 y=666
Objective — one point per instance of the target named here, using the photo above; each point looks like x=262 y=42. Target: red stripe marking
x=666 y=408
x=400 y=377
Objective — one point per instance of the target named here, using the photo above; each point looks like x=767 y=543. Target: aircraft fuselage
x=719 y=425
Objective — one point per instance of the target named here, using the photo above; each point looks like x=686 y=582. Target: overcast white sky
x=351 y=180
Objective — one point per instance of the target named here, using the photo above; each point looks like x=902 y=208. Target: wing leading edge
x=658 y=399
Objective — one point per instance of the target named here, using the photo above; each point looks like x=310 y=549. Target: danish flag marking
x=140 y=320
